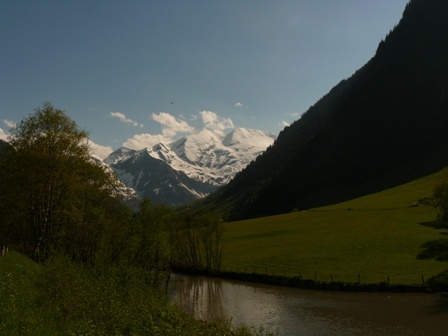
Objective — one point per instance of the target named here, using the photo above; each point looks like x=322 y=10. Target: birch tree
x=52 y=191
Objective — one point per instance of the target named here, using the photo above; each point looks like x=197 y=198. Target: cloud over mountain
x=216 y=123
x=170 y=125
x=174 y=128
x=122 y=117
x=3 y=135
x=144 y=140
x=101 y=151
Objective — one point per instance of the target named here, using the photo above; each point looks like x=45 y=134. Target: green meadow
x=391 y=236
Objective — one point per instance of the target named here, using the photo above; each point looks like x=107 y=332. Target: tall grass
x=62 y=298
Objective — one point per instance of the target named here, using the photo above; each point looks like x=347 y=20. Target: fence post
x=315 y=275
x=359 y=279
x=331 y=275
x=423 y=280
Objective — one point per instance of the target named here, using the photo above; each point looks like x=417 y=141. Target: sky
x=133 y=73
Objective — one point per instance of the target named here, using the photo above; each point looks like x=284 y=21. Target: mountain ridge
x=188 y=168
x=385 y=125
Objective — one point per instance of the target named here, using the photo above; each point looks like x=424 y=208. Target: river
x=291 y=311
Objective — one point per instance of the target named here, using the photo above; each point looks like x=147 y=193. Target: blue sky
x=134 y=72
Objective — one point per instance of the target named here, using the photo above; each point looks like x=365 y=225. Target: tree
x=151 y=241
x=185 y=242
x=212 y=234
x=197 y=242
x=52 y=193
x=441 y=198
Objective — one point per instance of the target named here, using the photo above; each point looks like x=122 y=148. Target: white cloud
x=3 y=135
x=284 y=124
x=173 y=128
x=216 y=123
x=170 y=125
x=100 y=151
x=295 y=114
x=10 y=124
x=238 y=104
x=124 y=119
x=140 y=141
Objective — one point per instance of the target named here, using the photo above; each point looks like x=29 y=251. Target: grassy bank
x=392 y=237
x=61 y=298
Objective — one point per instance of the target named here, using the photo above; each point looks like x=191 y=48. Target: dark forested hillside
x=385 y=125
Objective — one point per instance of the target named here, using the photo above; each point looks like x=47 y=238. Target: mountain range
x=385 y=125
x=189 y=168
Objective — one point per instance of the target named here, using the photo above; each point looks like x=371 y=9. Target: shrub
x=441 y=198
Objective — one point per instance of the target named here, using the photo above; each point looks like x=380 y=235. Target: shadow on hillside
x=436 y=224
x=438 y=250
x=435 y=249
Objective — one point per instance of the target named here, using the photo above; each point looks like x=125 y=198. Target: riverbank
x=287 y=311
x=63 y=298
x=298 y=282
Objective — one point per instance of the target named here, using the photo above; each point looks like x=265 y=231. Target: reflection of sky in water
x=308 y=312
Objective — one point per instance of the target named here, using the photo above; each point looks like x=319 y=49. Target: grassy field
x=376 y=238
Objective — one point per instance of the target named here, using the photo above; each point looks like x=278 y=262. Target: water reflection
x=200 y=297
x=308 y=312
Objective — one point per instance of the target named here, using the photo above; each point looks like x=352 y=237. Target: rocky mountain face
x=125 y=193
x=385 y=125
x=189 y=168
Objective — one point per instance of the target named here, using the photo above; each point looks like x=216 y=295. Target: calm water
x=308 y=312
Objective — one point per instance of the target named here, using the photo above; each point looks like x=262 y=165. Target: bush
x=441 y=198
x=116 y=301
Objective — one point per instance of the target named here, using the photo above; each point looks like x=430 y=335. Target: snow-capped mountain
x=127 y=194
x=189 y=168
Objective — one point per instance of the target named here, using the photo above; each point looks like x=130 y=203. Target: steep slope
x=189 y=168
x=385 y=125
x=154 y=179
x=126 y=194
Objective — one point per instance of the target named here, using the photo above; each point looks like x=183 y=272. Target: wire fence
x=390 y=278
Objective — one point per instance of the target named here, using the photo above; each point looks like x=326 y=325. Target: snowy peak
x=119 y=155
x=193 y=147
x=246 y=138
x=205 y=161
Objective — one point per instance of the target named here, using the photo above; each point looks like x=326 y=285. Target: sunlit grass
x=375 y=239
